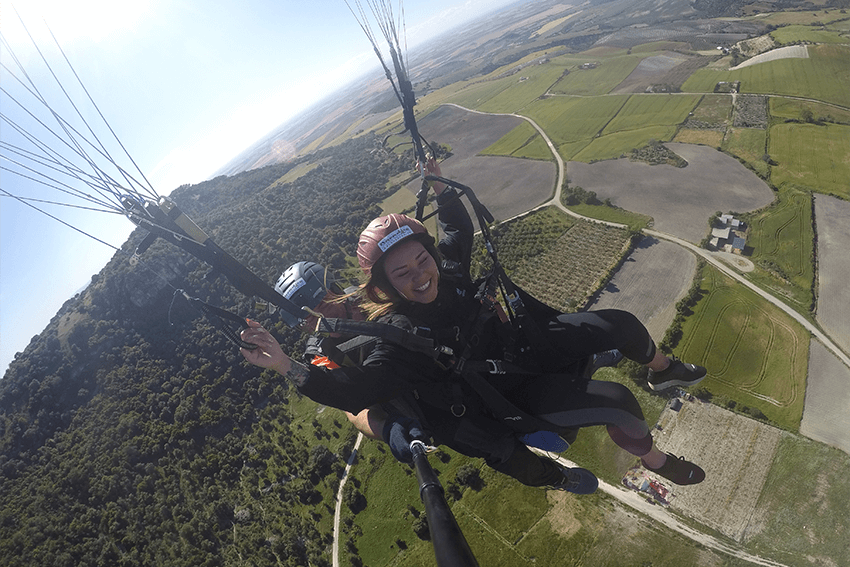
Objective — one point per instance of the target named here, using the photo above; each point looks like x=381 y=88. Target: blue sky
x=186 y=85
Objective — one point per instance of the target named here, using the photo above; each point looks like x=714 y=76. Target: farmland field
x=711 y=138
x=645 y=287
x=833 y=239
x=755 y=354
x=823 y=76
x=793 y=109
x=508 y=186
x=794 y=34
x=524 y=87
x=813 y=156
x=599 y=80
x=780 y=240
x=681 y=200
x=522 y=141
x=713 y=109
x=806 y=523
x=556 y=258
x=825 y=417
x=642 y=111
x=567 y=119
x=618 y=144
x=736 y=453
x=749 y=145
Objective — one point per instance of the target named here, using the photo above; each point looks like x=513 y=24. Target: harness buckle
x=458 y=410
x=495 y=366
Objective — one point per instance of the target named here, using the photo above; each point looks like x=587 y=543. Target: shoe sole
x=670 y=383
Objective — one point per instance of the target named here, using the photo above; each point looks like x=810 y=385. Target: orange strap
x=324 y=361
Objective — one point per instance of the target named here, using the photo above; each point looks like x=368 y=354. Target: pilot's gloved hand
x=399 y=431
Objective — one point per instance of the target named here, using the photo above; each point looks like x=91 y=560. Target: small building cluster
x=637 y=479
x=730 y=236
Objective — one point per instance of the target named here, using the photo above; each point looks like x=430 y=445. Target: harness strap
x=219 y=318
x=403 y=338
x=500 y=407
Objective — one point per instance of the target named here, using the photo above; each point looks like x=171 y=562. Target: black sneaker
x=577 y=481
x=677 y=374
x=678 y=470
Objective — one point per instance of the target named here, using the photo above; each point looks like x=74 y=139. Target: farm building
x=730 y=236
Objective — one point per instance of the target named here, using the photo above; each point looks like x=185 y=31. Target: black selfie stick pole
x=450 y=547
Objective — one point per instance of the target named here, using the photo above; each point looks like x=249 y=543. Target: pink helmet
x=382 y=234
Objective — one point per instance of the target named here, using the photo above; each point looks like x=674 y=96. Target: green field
x=756 y=355
x=823 y=76
x=797 y=512
x=523 y=88
x=793 y=110
x=610 y=72
x=621 y=143
x=523 y=141
x=714 y=109
x=780 y=240
x=568 y=119
x=635 y=221
x=642 y=111
x=816 y=157
x=749 y=145
x=711 y=138
x=788 y=35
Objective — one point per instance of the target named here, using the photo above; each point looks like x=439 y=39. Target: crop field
x=641 y=111
x=713 y=109
x=474 y=95
x=793 y=109
x=833 y=310
x=806 y=523
x=646 y=287
x=812 y=156
x=610 y=72
x=617 y=144
x=566 y=275
x=522 y=141
x=711 y=138
x=749 y=145
x=736 y=453
x=567 y=119
x=680 y=200
x=823 y=76
x=781 y=238
x=524 y=87
x=755 y=354
x=802 y=17
x=793 y=34
x=554 y=257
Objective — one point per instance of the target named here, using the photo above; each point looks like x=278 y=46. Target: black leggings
x=574 y=336
x=570 y=405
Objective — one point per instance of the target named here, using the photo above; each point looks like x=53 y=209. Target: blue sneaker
x=601 y=360
x=546 y=440
x=577 y=481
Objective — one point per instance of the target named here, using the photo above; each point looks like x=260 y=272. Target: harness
x=462 y=368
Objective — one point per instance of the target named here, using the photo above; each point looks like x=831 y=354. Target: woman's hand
x=433 y=168
x=268 y=353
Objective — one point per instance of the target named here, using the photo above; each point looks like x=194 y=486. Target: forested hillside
x=132 y=433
